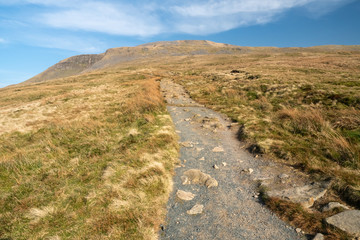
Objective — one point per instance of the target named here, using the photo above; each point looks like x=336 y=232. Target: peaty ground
x=231 y=210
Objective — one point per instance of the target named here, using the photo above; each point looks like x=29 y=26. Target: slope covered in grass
x=86 y=157
x=301 y=107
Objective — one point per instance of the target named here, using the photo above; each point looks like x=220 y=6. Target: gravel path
x=230 y=210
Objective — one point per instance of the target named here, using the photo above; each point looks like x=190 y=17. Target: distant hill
x=84 y=63
x=67 y=67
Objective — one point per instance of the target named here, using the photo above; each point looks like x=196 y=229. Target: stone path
x=214 y=195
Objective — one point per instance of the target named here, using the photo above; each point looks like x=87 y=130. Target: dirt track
x=232 y=209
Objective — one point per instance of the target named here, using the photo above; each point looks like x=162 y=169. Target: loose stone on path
x=218 y=149
x=186 y=196
x=197 y=209
x=195 y=176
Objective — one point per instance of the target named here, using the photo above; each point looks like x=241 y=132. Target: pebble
x=215 y=166
x=202 y=159
x=187 y=144
x=224 y=164
x=298 y=230
x=283 y=176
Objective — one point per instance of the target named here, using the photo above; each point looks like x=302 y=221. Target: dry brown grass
x=311 y=223
x=91 y=157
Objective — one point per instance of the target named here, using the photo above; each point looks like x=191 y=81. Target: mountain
x=85 y=63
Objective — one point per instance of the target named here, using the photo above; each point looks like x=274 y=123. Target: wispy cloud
x=144 y=18
x=111 y=18
x=2 y=40
x=206 y=17
x=148 y=18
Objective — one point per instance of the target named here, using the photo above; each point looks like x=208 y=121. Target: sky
x=36 y=34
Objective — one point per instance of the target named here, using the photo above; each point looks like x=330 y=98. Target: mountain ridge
x=88 y=62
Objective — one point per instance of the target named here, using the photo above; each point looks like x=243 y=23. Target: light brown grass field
x=85 y=157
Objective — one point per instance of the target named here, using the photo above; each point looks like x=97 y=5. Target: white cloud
x=117 y=19
x=2 y=40
x=147 y=18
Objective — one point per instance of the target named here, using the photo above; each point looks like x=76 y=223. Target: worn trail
x=214 y=194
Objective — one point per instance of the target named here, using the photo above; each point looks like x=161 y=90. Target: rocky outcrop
x=305 y=195
x=348 y=221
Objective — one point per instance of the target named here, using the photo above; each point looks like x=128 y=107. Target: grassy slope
x=302 y=108
x=96 y=164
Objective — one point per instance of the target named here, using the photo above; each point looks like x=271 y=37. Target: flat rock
x=186 y=196
x=195 y=176
x=197 y=209
x=348 y=221
x=305 y=195
x=218 y=149
x=332 y=205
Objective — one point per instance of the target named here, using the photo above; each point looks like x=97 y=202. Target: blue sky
x=35 y=34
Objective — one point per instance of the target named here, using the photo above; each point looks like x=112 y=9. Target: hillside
x=67 y=67
x=88 y=149
x=85 y=63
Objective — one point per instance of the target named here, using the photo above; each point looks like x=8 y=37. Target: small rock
x=187 y=119
x=215 y=166
x=202 y=159
x=177 y=131
x=319 y=236
x=224 y=164
x=186 y=196
x=162 y=227
x=197 y=209
x=187 y=144
x=199 y=149
x=250 y=170
x=283 y=176
x=195 y=176
x=332 y=205
x=298 y=230
x=218 y=149
x=348 y=221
